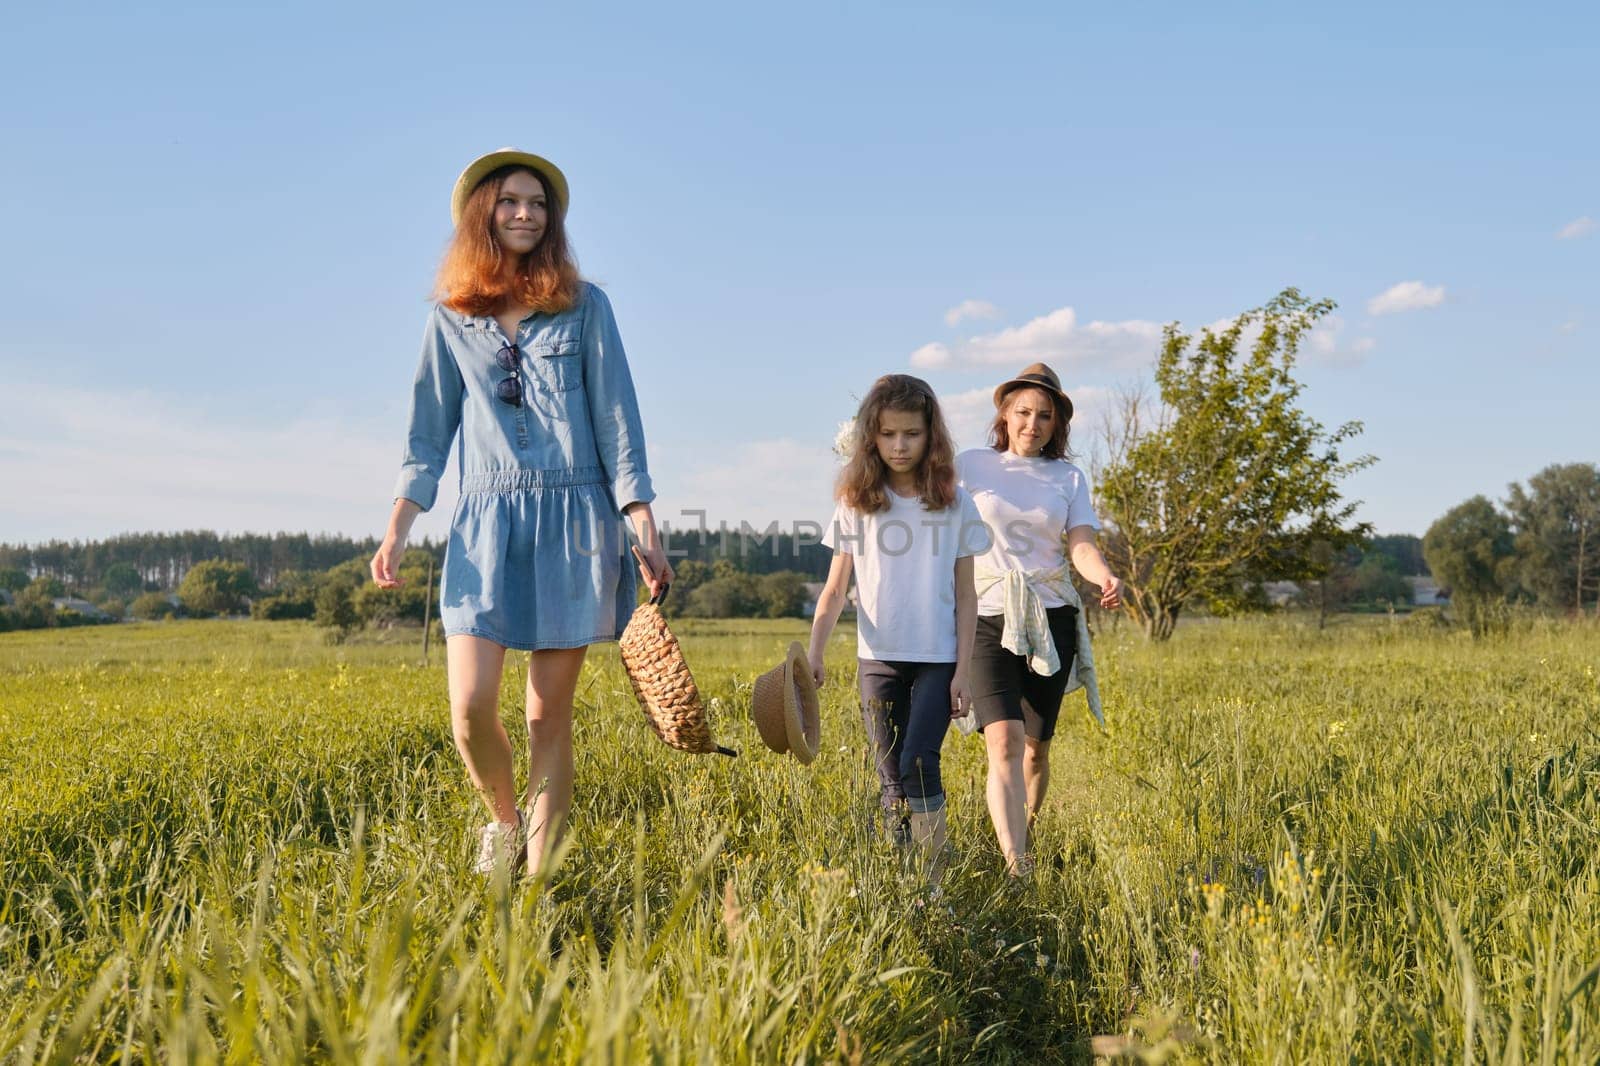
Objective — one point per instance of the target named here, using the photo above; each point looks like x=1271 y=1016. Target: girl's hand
x=1111 y=592
x=386 y=563
x=818 y=675
x=654 y=567
x=960 y=695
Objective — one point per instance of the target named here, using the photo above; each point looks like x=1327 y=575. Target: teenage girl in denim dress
x=522 y=362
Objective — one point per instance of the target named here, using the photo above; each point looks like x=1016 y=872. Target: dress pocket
x=557 y=366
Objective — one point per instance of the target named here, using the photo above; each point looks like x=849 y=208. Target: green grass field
x=231 y=841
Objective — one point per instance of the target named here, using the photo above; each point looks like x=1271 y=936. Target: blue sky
x=222 y=226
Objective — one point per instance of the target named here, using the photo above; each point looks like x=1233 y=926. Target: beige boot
x=932 y=837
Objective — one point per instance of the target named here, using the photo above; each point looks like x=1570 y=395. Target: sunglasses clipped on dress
x=510 y=389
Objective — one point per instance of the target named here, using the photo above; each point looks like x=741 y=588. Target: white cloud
x=1056 y=338
x=1406 y=296
x=1581 y=226
x=1326 y=343
x=970 y=309
x=82 y=463
x=780 y=479
x=968 y=415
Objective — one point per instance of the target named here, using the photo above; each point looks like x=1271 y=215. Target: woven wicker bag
x=662 y=682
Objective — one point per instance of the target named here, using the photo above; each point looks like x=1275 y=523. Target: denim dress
x=537 y=556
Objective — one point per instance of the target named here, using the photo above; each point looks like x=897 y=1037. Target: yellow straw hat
x=784 y=706
x=480 y=168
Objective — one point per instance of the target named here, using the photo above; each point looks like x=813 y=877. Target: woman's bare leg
x=1036 y=774
x=1005 y=791
x=552 y=683
x=474 y=671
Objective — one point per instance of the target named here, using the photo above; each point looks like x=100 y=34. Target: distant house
x=1425 y=592
x=83 y=607
x=1283 y=593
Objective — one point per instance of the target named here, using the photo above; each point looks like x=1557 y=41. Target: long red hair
x=863 y=482
x=471 y=277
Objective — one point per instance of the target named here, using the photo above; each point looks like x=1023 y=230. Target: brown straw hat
x=784 y=707
x=662 y=682
x=1036 y=376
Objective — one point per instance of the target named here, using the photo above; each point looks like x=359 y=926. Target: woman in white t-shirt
x=909 y=533
x=1031 y=646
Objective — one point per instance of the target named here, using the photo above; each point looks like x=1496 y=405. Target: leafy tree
x=1329 y=578
x=294 y=595
x=1378 y=582
x=782 y=594
x=730 y=596
x=1402 y=549
x=1469 y=551
x=216 y=587
x=282 y=606
x=406 y=603
x=1557 y=521
x=151 y=606
x=41 y=590
x=122 y=580
x=13 y=579
x=33 y=608
x=1228 y=483
x=335 y=611
x=352 y=573
x=688 y=575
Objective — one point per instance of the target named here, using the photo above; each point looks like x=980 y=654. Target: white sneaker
x=500 y=844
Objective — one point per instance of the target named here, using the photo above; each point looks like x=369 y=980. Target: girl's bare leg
x=552 y=683
x=474 y=670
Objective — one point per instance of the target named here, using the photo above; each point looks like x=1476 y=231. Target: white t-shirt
x=1028 y=504
x=905 y=567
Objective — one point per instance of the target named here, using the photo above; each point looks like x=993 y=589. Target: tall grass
x=226 y=842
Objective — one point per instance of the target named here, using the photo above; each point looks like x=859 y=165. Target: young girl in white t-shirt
x=909 y=532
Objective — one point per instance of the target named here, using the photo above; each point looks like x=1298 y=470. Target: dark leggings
x=906 y=709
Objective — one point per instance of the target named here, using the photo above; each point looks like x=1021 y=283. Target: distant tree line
x=750 y=550
x=160 y=560
x=1371 y=575
x=201 y=574
x=1542 y=546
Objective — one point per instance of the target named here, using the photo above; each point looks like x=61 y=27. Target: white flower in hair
x=844 y=440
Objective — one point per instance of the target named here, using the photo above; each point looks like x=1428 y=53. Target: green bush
x=151 y=606
x=284 y=606
x=335 y=611
x=216 y=586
